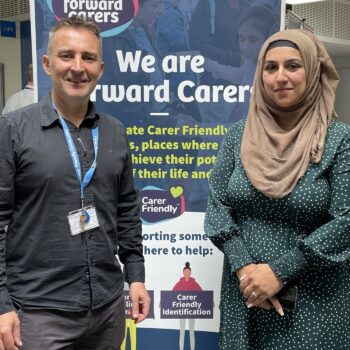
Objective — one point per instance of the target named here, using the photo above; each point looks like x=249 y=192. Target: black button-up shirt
x=41 y=264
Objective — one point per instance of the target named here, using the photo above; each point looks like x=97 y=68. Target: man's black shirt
x=41 y=264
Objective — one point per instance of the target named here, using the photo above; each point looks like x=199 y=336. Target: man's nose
x=77 y=64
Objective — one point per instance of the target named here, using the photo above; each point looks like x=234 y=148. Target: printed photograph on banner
x=177 y=74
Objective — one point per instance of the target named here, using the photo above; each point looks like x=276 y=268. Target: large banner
x=177 y=74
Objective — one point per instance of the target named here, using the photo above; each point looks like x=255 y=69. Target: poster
x=177 y=74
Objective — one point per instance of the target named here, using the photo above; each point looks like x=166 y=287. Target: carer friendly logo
x=112 y=16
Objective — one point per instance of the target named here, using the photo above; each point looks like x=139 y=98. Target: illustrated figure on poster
x=279 y=206
x=187 y=283
x=130 y=325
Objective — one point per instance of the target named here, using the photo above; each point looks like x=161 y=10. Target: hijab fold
x=273 y=158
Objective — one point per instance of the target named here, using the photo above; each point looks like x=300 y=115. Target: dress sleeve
x=219 y=223
x=329 y=245
x=7 y=166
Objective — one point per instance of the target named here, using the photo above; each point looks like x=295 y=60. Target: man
x=21 y=98
x=68 y=197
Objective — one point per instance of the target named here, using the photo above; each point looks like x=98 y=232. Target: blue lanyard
x=75 y=158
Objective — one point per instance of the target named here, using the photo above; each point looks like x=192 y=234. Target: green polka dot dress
x=305 y=237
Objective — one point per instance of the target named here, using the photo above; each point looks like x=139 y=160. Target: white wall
x=342 y=102
x=10 y=56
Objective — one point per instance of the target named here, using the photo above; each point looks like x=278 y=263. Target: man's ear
x=46 y=64
x=101 y=71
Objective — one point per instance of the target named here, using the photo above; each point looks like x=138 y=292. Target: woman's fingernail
x=250 y=305
x=243 y=277
x=281 y=312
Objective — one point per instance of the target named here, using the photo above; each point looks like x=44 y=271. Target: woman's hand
x=244 y=270
x=259 y=284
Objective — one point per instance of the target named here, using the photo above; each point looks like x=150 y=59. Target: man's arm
x=9 y=322
x=7 y=167
x=130 y=241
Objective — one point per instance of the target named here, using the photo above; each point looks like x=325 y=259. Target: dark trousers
x=101 y=329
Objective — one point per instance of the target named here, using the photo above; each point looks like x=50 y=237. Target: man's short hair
x=75 y=22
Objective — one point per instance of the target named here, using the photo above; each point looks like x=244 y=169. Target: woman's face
x=284 y=76
x=149 y=11
x=250 y=40
x=187 y=273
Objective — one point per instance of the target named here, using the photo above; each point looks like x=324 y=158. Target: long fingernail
x=250 y=305
x=243 y=277
x=281 y=312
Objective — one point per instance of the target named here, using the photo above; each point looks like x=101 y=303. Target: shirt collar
x=49 y=116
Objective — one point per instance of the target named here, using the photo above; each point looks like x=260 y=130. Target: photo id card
x=82 y=220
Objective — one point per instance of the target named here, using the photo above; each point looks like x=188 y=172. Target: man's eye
x=64 y=56
x=90 y=58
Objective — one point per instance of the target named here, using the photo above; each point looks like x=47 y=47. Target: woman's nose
x=281 y=74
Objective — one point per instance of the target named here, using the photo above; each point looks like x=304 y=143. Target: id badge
x=82 y=220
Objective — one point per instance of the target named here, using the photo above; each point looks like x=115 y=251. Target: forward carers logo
x=112 y=16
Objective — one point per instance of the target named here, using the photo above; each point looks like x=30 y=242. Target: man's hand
x=140 y=302
x=10 y=337
x=260 y=284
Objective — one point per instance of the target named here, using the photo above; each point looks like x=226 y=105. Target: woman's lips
x=282 y=90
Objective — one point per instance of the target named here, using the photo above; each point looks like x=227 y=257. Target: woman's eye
x=294 y=67
x=270 y=67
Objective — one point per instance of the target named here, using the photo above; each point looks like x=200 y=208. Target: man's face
x=74 y=64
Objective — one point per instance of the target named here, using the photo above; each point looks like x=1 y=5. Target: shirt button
x=87 y=275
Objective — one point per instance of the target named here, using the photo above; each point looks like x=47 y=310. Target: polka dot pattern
x=305 y=237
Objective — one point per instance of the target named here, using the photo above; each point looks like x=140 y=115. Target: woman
x=279 y=205
x=187 y=283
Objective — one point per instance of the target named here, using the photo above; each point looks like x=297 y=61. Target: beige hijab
x=274 y=159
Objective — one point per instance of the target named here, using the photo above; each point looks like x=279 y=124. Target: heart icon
x=176 y=191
